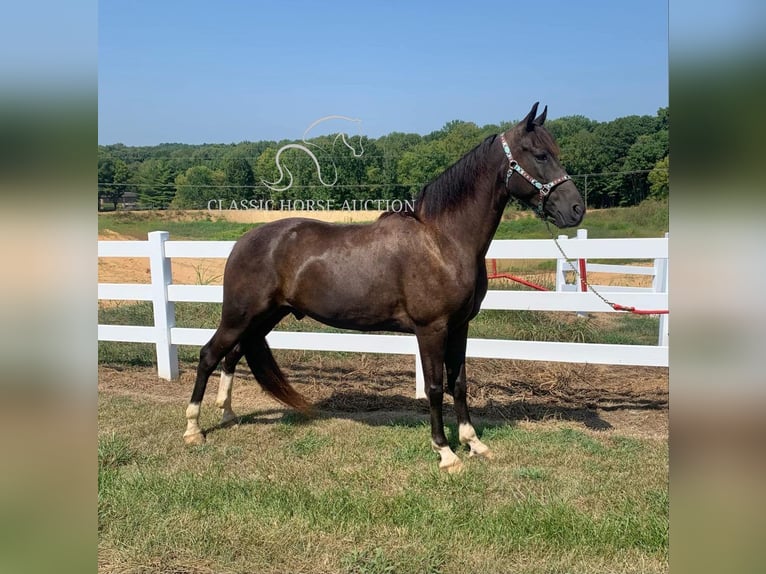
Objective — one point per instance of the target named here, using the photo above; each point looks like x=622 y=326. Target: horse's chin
x=562 y=221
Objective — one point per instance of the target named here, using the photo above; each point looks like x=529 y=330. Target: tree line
x=615 y=163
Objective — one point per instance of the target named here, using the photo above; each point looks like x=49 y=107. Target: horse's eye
x=541 y=156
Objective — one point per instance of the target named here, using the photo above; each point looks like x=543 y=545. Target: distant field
x=649 y=219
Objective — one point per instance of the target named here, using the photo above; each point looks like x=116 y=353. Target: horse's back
x=285 y=246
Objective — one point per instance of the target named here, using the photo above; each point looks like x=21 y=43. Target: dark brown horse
x=420 y=272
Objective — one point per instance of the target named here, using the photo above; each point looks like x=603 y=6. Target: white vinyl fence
x=658 y=272
x=166 y=336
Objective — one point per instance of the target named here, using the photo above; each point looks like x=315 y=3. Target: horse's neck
x=474 y=225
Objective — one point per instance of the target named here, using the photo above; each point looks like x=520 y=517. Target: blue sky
x=221 y=72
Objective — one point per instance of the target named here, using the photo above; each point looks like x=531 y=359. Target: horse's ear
x=529 y=121
x=540 y=120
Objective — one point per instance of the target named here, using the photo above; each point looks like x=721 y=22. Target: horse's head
x=534 y=175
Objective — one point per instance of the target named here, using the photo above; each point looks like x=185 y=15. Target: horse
x=419 y=271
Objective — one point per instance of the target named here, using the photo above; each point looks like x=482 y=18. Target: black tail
x=270 y=376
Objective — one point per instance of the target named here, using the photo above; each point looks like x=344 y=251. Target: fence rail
x=166 y=336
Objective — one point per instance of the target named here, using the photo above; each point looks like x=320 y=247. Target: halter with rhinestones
x=544 y=188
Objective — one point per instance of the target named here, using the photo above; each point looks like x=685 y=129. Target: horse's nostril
x=577 y=209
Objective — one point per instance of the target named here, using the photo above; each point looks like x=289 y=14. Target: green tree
x=113 y=179
x=156 y=183
x=663 y=118
x=564 y=128
x=196 y=187
x=265 y=166
x=391 y=147
x=294 y=163
x=122 y=179
x=615 y=139
x=239 y=177
x=641 y=158
x=459 y=138
x=581 y=157
x=105 y=179
x=610 y=162
x=659 y=186
x=422 y=164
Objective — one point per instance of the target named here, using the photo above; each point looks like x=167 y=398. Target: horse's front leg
x=431 y=344
x=454 y=360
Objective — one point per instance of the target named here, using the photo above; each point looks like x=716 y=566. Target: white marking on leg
x=449 y=460
x=193 y=434
x=224 y=390
x=223 y=399
x=467 y=435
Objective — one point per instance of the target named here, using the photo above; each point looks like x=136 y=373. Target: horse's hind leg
x=222 y=342
x=258 y=325
x=223 y=399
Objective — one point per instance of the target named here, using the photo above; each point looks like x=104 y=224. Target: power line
x=354 y=185
x=252 y=159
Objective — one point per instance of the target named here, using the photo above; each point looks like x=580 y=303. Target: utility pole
x=586 y=190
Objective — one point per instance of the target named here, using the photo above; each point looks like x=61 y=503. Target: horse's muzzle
x=572 y=218
x=565 y=206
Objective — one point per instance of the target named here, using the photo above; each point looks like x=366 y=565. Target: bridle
x=544 y=188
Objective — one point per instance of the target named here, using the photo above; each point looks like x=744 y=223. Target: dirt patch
x=255 y=215
x=186 y=271
x=630 y=401
x=191 y=271
x=261 y=216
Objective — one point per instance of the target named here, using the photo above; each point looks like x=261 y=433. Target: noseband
x=544 y=188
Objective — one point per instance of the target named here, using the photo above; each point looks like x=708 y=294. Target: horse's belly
x=350 y=300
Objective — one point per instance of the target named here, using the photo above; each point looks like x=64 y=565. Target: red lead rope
x=618 y=307
x=586 y=286
x=495 y=275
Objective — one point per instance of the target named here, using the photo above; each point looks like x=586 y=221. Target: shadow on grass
x=410 y=412
x=383 y=395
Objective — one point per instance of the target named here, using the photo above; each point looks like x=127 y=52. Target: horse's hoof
x=229 y=419
x=194 y=439
x=453 y=467
x=485 y=454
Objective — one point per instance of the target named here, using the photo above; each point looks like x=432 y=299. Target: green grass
x=332 y=495
x=647 y=219
x=202 y=227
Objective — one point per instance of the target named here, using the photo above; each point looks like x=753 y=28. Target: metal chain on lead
x=576 y=271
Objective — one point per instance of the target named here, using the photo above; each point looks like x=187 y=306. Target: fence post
x=660 y=285
x=164 y=310
x=420 y=380
x=561 y=269
x=582 y=267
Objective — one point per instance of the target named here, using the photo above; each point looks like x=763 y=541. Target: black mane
x=452 y=187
